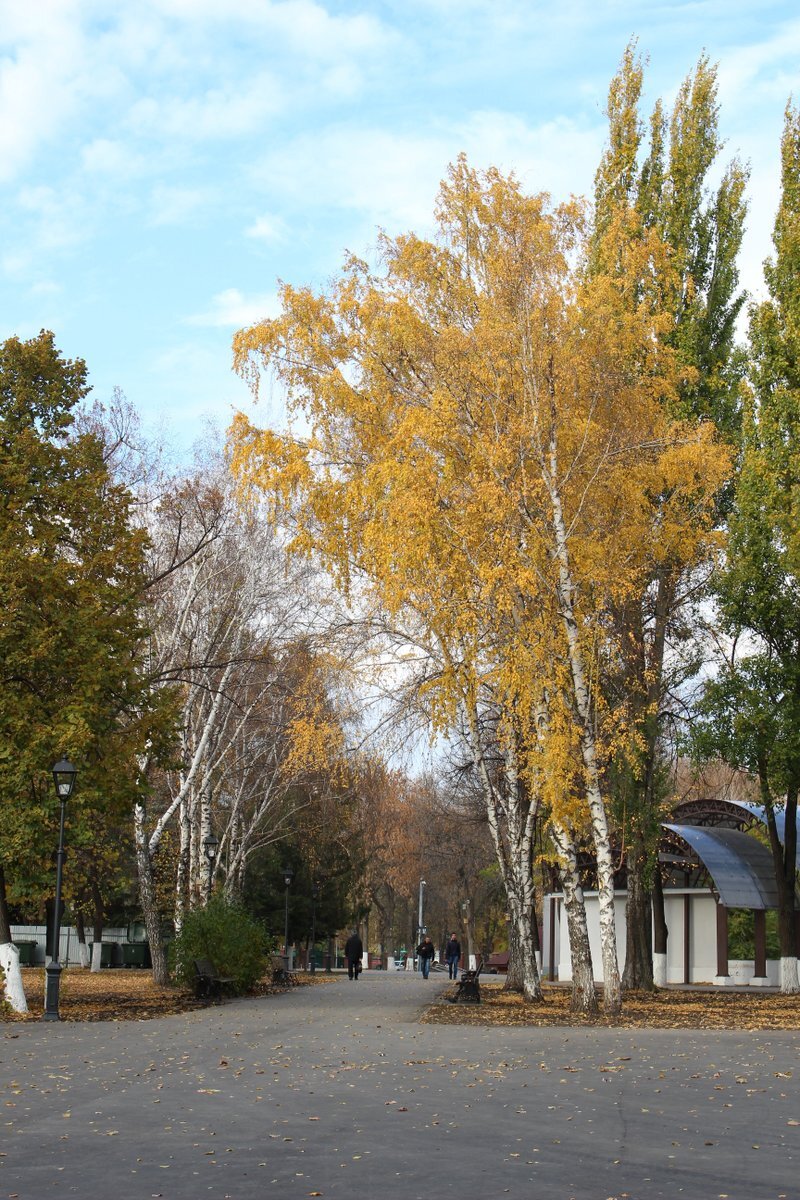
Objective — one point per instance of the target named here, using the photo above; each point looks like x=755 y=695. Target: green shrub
x=228 y=935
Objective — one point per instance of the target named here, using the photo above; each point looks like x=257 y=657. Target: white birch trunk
x=584 y=993
x=14 y=992
x=513 y=846
x=612 y=993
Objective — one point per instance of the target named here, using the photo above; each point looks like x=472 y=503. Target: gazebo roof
x=740 y=866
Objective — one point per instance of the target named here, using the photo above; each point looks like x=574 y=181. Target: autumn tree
x=486 y=421
x=233 y=624
x=658 y=174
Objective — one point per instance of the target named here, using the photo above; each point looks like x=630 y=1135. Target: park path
x=338 y=1090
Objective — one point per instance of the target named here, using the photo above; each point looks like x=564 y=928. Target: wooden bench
x=281 y=972
x=208 y=983
x=468 y=988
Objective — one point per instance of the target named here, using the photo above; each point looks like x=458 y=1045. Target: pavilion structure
x=711 y=860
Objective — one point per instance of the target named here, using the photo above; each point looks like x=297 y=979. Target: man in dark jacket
x=453 y=955
x=353 y=951
x=426 y=951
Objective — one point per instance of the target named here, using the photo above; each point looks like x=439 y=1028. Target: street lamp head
x=314 y=891
x=64 y=778
x=288 y=876
x=210 y=847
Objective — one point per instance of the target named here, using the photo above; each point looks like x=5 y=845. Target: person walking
x=353 y=952
x=425 y=953
x=453 y=955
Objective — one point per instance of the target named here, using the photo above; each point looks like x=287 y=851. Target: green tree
x=657 y=177
x=752 y=709
x=71 y=578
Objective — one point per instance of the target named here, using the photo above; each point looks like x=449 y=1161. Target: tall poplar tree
x=752 y=709
x=657 y=174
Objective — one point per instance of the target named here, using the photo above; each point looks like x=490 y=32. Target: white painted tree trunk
x=790 y=984
x=83 y=954
x=9 y=964
x=97 y=951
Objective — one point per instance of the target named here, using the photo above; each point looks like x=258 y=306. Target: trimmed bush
x=228 y=935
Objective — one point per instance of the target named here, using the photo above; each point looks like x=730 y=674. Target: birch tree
x=486 y=420
x=229 y=617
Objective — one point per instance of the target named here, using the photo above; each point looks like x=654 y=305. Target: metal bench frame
x=209 y=984
x=468 y=988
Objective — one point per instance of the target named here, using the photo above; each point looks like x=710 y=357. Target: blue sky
x=164 y=162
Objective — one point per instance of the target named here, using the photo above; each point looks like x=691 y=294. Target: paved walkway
x=338 y=1090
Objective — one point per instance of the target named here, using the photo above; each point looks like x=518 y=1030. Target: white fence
x=67 y=944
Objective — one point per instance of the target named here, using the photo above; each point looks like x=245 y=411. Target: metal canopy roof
x=740 y=866
x=760 y=812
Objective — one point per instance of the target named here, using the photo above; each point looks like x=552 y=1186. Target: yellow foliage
x=455 y=403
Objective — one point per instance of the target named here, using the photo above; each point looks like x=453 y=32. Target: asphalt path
x=339 y=1090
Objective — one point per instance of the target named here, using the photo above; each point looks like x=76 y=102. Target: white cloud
x=231 y=309
x=392 y=178
x=268 y=228
x=46 y=288
x=178 y=205
x=235 y=109
x=112 y=158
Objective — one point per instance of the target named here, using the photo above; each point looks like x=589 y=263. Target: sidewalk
x=337 y=1090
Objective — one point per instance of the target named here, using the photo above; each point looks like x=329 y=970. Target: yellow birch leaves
x=446 y=397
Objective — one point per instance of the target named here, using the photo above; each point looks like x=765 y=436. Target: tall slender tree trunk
x=784 y=862
x=80 y=930
x=584 y=993
x=612 y=993
x=638 y=973
x=660 y=932
x=97 y=926
x=147 y=897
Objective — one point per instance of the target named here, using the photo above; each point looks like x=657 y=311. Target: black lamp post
x=314 y=898
x=210 y=848
x=288 y=876
x=64 y=778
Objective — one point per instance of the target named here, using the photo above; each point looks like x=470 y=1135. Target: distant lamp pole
x=210 y=848
x=420 y=927
x=465 y=918
x=288 y=876
x=314 y=898
x=64 y=778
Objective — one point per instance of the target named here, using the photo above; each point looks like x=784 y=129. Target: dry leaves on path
x=114 y=995
x=712 y=1009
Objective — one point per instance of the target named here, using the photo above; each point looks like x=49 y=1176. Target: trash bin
x=110 y=954
x=136 y=955
x=27 y=952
